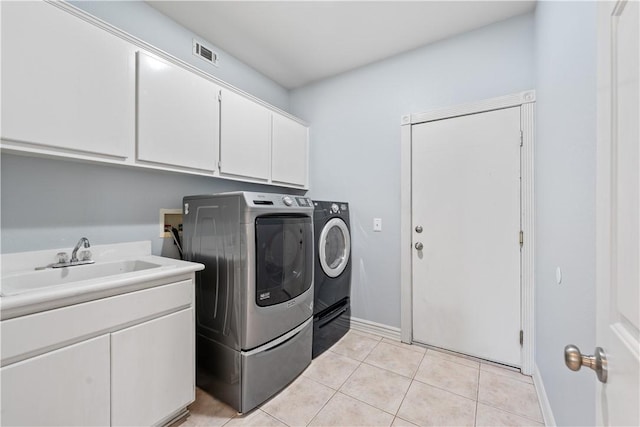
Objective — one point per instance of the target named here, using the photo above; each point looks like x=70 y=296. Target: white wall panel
x=565 y=171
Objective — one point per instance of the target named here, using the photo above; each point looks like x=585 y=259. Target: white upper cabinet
x=66 y=84
x=178 y=116
x=245 y=138
x=289 y=152
x=76 y=87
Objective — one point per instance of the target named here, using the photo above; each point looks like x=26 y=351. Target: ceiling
x=298 y=42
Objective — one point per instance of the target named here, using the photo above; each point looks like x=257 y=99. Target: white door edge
x=616 y=401
x=526 y=100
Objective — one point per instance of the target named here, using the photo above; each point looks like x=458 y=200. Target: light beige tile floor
x=367 y=380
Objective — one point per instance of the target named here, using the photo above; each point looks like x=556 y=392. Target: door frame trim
x=526 y=102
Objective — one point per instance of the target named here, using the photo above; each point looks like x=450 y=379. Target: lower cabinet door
x=153 y=370
x=65 y=387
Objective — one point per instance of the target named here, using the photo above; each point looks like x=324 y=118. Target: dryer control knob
x=287 y=200
x=334 y=208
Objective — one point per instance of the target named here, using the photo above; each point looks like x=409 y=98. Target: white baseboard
x=375 y=328
x=545 y=406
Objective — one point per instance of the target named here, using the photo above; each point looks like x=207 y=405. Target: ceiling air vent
x=205 y=53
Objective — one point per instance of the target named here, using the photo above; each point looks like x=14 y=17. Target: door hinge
x=521 y=138
x=219 y=96
x=219 y=166
x=521 y=238
x=521 y=336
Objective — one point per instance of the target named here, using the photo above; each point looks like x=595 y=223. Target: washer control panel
x=303 y=202
x=287 y=200
x=277 y=200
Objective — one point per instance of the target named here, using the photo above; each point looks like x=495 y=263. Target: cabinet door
x=289 y=159
x=66 y=387
x=65 y=82
x=178 y=116
x=245 y=137
x=152 y=369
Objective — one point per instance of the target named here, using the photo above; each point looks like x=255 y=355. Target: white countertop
x=59 y=295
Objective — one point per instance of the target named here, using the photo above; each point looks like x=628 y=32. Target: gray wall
x=565 y=202
x=355 y=137
x=141 y=20
x=50 y=203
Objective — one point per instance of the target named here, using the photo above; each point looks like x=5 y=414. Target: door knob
x=419 y=246
x=418 y=229
x=575 y=360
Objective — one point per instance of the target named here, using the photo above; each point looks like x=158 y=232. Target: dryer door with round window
x=334 y=247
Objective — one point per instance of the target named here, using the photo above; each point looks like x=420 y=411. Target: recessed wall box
x=170 y=218
x=205 y=53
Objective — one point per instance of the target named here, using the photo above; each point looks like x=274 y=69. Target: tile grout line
x=322 y=407
x=506 y=410
x=276 y=395
x=363 y=362
x=512 y=413
x=367 y=403
x=271 y=416
x=454 y=361
x=424 y=355
x=444 y=389
x=393 y=372
x=335 y=391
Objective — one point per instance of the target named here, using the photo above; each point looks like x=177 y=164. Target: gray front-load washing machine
x=254 y=299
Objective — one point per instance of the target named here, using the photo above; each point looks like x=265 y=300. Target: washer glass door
x=284 y=258
x=334 y=247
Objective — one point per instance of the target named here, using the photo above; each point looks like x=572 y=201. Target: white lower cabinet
x=132 y=361
x=65 y=387
x=152 y=369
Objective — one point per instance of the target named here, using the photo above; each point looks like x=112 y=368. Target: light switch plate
x=377 y=224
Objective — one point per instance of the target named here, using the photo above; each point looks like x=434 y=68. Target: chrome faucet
x=63 y=257
x=82 y=242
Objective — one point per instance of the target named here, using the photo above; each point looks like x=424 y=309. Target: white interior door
x=618 y=220
x=466 y=201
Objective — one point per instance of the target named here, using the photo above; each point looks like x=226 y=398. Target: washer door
x=334 y=247
x=284 y=258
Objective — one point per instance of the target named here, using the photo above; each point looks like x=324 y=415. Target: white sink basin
x=32 y=280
